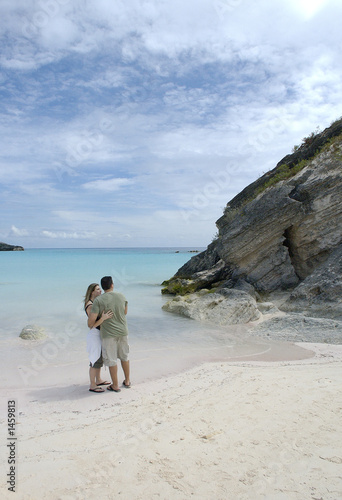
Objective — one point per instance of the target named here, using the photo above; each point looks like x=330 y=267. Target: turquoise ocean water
x=46 y=287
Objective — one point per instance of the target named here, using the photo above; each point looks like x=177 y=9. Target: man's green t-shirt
x=117 y=325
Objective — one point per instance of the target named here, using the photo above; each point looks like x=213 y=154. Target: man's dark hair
x=106 y=282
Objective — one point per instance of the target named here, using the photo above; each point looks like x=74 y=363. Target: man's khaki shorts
x=114 y=348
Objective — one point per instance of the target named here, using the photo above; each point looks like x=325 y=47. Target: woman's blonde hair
x=89 y=291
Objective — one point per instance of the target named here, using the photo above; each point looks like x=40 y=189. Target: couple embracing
x=107 y=337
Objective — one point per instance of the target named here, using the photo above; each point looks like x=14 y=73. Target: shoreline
x=73 y=377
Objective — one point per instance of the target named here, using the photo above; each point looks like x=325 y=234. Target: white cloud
x=107 y=185
x=86 y=235
x=74 y=216
x=15 y=231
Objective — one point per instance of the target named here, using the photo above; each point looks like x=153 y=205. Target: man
x=114 y=331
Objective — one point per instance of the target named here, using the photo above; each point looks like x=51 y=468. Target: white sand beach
x=224 y=430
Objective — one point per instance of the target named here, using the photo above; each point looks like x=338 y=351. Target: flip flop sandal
x=110 y=388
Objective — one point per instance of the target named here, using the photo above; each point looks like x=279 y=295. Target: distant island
x=5 y=247
x=189 y=251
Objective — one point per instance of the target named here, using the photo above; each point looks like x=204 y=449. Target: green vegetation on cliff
x=291 y=164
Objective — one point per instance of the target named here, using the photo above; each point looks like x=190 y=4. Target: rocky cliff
x=6 y=247
x=281 y=233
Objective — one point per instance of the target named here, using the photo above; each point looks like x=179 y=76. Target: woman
x=94 y=341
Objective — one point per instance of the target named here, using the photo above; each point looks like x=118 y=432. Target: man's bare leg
x=113 y=370
x=125 y=368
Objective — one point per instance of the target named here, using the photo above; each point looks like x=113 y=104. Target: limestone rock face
x=321 y=292
x=33 y=332
x=6 y=247
x=280 y=238
x=283 y=232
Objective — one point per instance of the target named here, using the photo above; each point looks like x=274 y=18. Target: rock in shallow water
x=238 y=307
x=33 y=332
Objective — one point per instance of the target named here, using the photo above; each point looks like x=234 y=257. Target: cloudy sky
x=133 y=122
